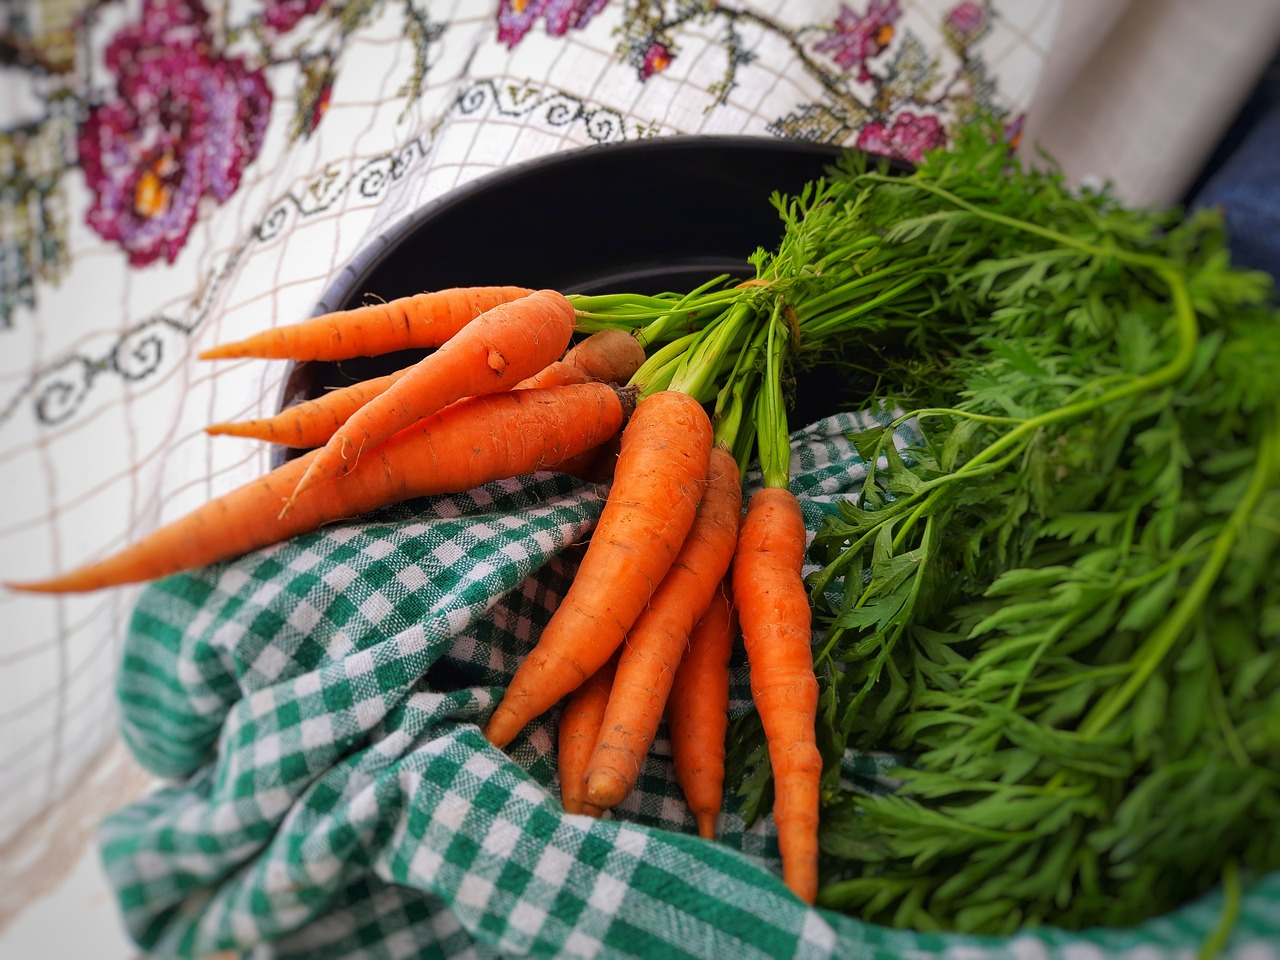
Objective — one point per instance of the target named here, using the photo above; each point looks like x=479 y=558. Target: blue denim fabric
x=1247 y=185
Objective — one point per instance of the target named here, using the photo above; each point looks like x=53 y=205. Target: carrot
x=773 y=610
x=491 y=354
x=417 y=322
x=471 y=442
x=579 y=727
x=655 y=494
x=610 y=356
x=698 y=711
x=312 y=422
x=653 y=647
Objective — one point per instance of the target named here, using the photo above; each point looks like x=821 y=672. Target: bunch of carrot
x=674 y=570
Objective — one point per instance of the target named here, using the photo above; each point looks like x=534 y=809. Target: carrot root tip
x=606 y=789
x=706 y=824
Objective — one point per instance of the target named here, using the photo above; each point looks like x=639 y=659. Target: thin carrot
x=491 y=354
x=312 y=422
x=657 y=486
x=654 y=645
x=610 y=356
x=470 y=443
x=698 y=711
x=773 y=610
x=421 y=321
x=579 y=728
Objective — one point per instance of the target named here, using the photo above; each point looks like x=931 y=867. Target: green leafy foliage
x=1062 y=608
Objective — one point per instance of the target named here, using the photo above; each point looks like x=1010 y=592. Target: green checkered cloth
x=317 y=708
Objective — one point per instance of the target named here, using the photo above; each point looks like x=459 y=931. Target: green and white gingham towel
x=318 y=707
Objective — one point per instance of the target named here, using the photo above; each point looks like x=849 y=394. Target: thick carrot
x=471 y=442
x=419 y=322
x=654 y=645
x=579 y=728
x=657 y=486
x=491 y=354
x=609 y=356
x=773 y=611
x=698 y=711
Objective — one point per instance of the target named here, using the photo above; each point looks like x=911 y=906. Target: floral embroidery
x=967 y=22
x=656 y=59
x=185 y=124
x=908 y=137
x=856 y=39
x=164 y=123
x=516 y=17
x=283 y=15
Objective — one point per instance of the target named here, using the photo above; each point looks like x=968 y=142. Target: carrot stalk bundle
x=698 y=711
x=658 y=639
x=579 y=728
x=657 y=486
x=491 y=354
x=469 y=443
x=774 y=614
x=422 y=321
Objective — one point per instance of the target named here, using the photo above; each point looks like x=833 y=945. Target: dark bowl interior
x=643 y=217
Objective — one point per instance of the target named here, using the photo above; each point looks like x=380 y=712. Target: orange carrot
x=491 y=354
x=654 y=645
x=312 y=422
x=469 y=443
x=773 y=610
x=655 y=494
x=419 y=322
x=698 y=711
x=610 y=356
x=579 y=727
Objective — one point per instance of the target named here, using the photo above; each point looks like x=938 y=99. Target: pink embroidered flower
x=656 y=59
x=966 y=22
x=184 y=125
x=516 y=17
x=856 y=39
x=907 y=137
x=283 y=15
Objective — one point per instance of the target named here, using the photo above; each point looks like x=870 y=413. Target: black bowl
x=646 y=216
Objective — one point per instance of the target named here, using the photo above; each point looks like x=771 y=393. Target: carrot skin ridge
x=491 y=354
x=657 y=486
x=579 y=727
x=421 y=321
x=698 y=711
x=775 y=619
x=469 y=443
x=651 y=652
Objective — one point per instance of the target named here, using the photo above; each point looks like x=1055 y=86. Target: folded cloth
x=318 y=705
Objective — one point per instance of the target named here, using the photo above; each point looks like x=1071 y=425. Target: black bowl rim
x=367 y=260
